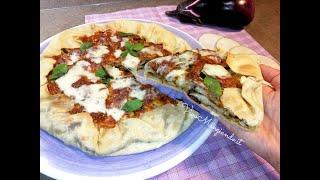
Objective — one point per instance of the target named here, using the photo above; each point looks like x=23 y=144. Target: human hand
x=265 y=141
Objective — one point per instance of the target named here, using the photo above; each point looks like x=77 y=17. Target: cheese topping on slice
x=151 y=50
x=215 y=70
x=117 y=53
x=130 y=62
x=175 y=73
x=96 y=55
x=74 y=57
x=137 y=93
x=123 y=83
x=115 y=113
x=124 y=40
x=113 y=72
x=114 y=39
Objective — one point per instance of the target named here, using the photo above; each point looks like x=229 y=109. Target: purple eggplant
x=234 y=14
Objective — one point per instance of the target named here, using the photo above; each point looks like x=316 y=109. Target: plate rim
x=53 y=172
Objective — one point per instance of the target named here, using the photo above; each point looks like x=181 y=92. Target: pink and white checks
x=218 y=157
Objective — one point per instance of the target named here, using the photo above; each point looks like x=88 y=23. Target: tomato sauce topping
x=77 y=108
x=103 y=120
x=195 y=70
x=163 y=68
x=111 y=60
x=146 y=56
x=233 y=81
x=117 y=96
x=98 y=38
x=62 y=58
x=53 y=88
x=82 y=81
x=134 y=39
x=146 y=86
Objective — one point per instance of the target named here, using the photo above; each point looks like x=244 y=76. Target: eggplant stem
x=172 y=13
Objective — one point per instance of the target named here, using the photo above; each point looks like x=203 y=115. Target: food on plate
x=224 y=45
x=208 y=40
x=89 y=95
x=230 y=88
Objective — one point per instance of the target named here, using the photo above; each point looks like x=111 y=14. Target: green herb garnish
x=132 y=105
x=213 y=85
x=59 y=71
x=123 y=34
x=103 y=75
x=85 y=45
x=137 y=47
x=105 y=80
x=132 y=49
x=124 y=54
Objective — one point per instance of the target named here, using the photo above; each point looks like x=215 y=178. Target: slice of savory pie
x=229 y=86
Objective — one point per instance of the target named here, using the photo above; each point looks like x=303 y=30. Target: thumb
x=271 y=75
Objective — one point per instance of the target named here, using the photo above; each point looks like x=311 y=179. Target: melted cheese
x=115 y=113
x=175 y=73
x=74 y=57
x=114 y=72
x=114 y=39
x=178 y=75
x=165 y=58
x=117 y=53
x=74 y=74
x=151 y=50
x=91 y=97
x=215 y=70
x=130 y=62
x=137 y=93
x=97 y=54
x=181 y=80
x=124 y=40
x=123 y=83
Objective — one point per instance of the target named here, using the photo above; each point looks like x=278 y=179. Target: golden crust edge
x=52 y=111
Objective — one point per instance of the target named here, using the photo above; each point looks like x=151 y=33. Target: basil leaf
x=101 y=73
x=134 y=53
x=132 y=105
x=105 y=80
x=85 y=45
x=128 y=45
x=132 y=49
x=213 y=85
x=59 y=71
x=124 y=53
x=137 y=47
x=123 y=34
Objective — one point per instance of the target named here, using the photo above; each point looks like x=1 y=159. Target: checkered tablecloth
x=218 y=157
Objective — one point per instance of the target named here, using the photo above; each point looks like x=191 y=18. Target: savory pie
x=90 y=97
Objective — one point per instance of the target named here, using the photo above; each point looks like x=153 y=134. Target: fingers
x=271 y=75
x=266 y=91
